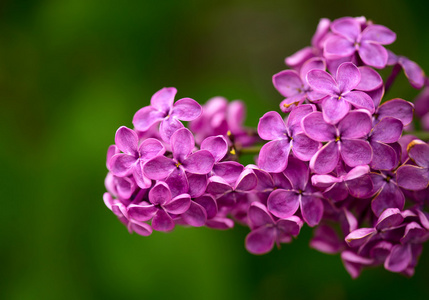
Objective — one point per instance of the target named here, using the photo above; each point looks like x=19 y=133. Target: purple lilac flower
x=284 y=136
x=228 y=193
x=343 y=140
x=415 y=177
x=160 y=207
x=293 y=85
x=356 y=183
x=394 y=241
x=182 y=145
x=338 y=93
x=266 y=230
x=386 y=132
x=350 y=38
x=284 y=203
x=134 y=156
x=200 y=210
x=268 y=182
x=362 y=176
x=120 y=210
x=222 y=118
x=387 y=192
x=163 y=110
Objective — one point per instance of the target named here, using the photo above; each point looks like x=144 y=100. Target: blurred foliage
x=73 y=71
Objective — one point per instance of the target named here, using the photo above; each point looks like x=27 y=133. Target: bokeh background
x=73 y=71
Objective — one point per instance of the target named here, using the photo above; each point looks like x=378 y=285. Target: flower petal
x=159 y=167
x=297 y=114
x=388 y=130
x=261 y=240
x=182 y=143
x=418 y=151
x=273 y=156
x=140 y=228
x=414 y=73
x=178 y=205
x=360 y=187
x=379 y=34
x=412 y=178
x=147 y=116
x=397 y=108
x=288 y=83
x=313 y=63
x=324 y=181
x=196 y=215
x=360 y=100
x=197 y=184
x=311 y=209
x=348 y=77
x=383 y=156
x=163 y=99
x=150 y=148
x=283 y=203
x=125 y=187
x=160 y=194
x=121 y=164
x=297 y=172
x=303 y=147
x=200 y=162
x=389 y=197
x=355 y=152
x=162 y=221
x=169 y=126
x=186 y=109
x=359 y=236
x=141 y=212
x=228 y=170
x=390 y=218
x=217 y=145
x=356 y=124
x=399 y=258
x=323 y=82
x=326 y=159
x=126 y=140
x=370 y=79
x=218 y=186
x=271 y=126
x=317 y=129
x=373 y=54
x=347 y=27
x=334 y=109
x=258 y=215
x=177 y=181
x=209 y=203
x=325 y=240
x=246 y=181
x=337 y=47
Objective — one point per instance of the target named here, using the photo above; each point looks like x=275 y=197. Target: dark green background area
x=73 y=71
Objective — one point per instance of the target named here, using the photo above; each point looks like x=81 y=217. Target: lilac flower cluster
x=337 y=161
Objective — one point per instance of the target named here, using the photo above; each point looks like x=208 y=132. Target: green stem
x=423 y=135
x=250 y=150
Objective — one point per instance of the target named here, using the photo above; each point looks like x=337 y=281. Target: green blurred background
x=73 y=71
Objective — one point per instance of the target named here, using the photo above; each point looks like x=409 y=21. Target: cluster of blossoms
x=337 y=160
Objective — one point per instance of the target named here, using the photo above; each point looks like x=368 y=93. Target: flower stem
x=250 y=150
x=391 y=79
